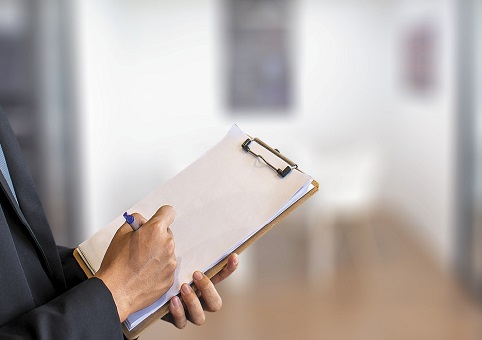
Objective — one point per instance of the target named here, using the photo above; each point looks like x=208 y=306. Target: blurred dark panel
x=420 y=56
x=35 y=93
x=469 y=173
x=17 y=78
x=259 y=55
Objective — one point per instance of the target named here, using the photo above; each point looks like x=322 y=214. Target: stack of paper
x=220 y=200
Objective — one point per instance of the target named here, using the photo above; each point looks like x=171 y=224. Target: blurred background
x=378 y=100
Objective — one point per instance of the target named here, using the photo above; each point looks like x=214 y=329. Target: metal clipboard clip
x=281 y=173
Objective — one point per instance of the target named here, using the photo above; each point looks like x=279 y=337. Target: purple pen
x=131 y=221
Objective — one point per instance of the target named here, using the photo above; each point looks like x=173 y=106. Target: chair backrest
x=348 y=177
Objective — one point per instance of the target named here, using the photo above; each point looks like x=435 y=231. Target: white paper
x=221 y=200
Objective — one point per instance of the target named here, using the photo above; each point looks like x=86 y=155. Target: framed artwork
x=421 y=58
x=259 y=65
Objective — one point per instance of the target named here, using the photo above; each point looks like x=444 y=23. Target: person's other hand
x=138 y=267
x=193 y=306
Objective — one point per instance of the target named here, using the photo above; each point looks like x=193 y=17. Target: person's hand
x=207 y=298
x=138 y=267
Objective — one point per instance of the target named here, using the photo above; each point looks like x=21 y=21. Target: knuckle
x=179 y=319
x=164 y=214
x=204 y=285
x=207 y=287
x=172 y=265
x=171 y=245
x=191 y=301
x=137 y=216
x=189 y=298
x=168 y=209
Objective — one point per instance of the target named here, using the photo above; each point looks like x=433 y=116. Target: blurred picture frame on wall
x=421 y=58
x=258 y=51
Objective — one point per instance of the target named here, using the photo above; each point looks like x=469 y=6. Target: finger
x=230 y=267
x=163 y=217
x=139 y=218
x=193 y=305
x=210 y=295
x=123 y=230
x=126 y=227
x=177 y=311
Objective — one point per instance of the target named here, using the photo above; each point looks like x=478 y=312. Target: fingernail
x=198 y=276
x=176 y=302
x=236 y=259
x=186 y=289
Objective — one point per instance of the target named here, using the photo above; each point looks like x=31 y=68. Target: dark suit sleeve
x=73 y=274
x=86 y=311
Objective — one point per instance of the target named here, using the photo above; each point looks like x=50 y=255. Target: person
x=44 y=293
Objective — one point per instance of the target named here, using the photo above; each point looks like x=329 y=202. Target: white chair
x=349 y=187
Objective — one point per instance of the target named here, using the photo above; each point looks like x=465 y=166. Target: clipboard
x=253 y=147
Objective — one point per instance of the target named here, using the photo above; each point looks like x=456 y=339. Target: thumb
x=163 y=218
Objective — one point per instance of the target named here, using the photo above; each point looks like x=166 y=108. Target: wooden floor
x=396 y=291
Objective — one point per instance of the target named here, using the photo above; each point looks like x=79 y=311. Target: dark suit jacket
x=43 y=292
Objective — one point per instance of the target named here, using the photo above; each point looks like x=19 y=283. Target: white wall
x=150 y=76
x=421 y=181
x=148 y=79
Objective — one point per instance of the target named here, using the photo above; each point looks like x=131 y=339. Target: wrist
x=119 y=298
